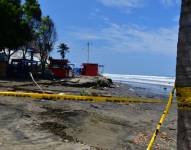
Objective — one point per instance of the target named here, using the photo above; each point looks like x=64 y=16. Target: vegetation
x=14 y=28
x=33 y=16
x=63 y=49
x=45 y=40
x=24 y=28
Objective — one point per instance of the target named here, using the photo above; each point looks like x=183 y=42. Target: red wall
x=60 y=73
x=90 y=70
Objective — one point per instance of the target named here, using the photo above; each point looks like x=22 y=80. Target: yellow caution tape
x=161 y=120
x=79 y=98
x=184 y=98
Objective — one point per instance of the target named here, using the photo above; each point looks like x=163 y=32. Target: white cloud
x=123 y=3
x=135 y=3
x=131 y=38
x=170 y=2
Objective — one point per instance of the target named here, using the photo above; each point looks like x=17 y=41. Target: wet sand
x=32 y=124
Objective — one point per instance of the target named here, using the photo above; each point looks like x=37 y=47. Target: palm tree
x=183 y=77
x=63 y=49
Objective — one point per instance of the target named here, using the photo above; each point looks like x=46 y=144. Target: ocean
x=154 y=84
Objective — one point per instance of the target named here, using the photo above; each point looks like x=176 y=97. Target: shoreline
x=49 y=124
x=117 y=89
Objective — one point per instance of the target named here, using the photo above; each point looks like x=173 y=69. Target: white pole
x=88 y=52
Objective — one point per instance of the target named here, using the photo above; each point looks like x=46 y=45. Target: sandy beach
x=33 y=124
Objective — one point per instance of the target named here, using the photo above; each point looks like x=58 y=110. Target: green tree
x=45 y=41
x=14 y=30
x=22 y=27
x=32 y=14
x=63 y=49
x=32 y=11
x=183 y=78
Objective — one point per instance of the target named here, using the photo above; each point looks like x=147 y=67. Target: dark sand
x=31 y=124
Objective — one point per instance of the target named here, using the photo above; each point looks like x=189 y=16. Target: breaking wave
x=155 y=80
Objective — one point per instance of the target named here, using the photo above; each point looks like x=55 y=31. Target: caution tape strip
x=161 y=120
x=184 y=98
x=79 y=98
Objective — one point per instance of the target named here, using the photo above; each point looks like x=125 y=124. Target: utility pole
x=88 y=44
x=183 y=78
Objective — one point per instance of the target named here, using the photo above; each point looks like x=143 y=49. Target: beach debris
x=31 y=75
x=163 y=140
x=141 y=139
x=84 y=81
x=94 y=106
x=131 y=89
x=61 y=94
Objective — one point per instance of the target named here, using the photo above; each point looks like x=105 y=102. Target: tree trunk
x=43 y=68
x=183 y=78
x=24 y=50
x=8 y=55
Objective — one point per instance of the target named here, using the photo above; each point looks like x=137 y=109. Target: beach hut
x=89 y=69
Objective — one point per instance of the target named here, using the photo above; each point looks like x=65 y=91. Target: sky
x=126 y=36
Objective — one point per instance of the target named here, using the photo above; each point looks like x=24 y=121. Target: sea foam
x=156 y=80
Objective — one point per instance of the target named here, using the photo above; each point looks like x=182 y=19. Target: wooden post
x=183 y=78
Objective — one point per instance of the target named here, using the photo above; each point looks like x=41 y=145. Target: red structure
x=60 y=68
x=90 y=69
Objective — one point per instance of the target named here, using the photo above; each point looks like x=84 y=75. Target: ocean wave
x=156 y=80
